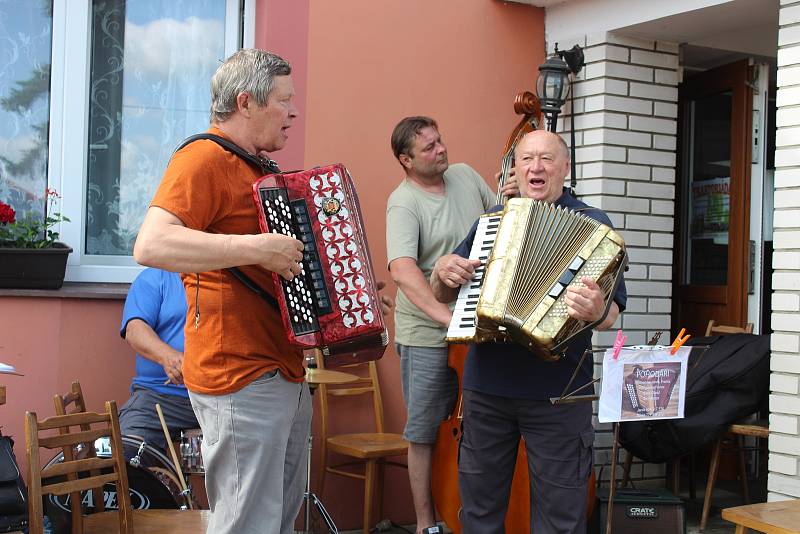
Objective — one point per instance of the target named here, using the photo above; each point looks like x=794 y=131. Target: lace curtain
x=151 y=65
x=25 y=44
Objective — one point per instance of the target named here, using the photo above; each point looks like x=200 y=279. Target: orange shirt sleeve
x=194 y=187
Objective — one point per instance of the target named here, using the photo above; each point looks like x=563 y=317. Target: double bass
x=444 y=476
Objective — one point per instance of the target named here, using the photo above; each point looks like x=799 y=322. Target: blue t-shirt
x=157 y=297
x=509 y=370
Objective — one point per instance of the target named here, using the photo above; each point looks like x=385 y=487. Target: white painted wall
x=595 y=16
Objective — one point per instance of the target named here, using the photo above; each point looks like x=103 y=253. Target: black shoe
x=436 y=529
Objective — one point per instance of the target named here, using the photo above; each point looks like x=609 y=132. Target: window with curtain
x=151 y=62
x=25 y=44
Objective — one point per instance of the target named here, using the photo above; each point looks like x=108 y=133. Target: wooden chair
x=780 y=517
x=715 y=328
x=73 y=396
x=370 y=449
x=85 y=474
x=757 y=429
x=61 y=403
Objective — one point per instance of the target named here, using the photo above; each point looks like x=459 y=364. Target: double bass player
x=426 y=216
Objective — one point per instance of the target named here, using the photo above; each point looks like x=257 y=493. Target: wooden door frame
x=710 y=82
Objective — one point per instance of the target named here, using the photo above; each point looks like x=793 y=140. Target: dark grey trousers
x=138 y=416
x=558 y=441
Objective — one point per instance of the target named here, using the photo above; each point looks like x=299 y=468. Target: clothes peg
x=680 y=340
x=618 y=343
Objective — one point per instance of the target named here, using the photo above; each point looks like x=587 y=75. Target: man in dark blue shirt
x=152 y=324
x=506 y=389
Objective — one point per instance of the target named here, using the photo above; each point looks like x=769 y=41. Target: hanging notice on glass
x=643 y=382
x=711 y=209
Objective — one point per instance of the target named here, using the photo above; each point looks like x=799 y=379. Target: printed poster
x=711 y=209
x=643 y=383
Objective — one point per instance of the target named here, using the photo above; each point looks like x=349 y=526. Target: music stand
x=315 y=377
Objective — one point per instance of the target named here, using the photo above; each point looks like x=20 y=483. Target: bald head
x=542 y=164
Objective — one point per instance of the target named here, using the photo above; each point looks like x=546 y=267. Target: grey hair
x=249 y=70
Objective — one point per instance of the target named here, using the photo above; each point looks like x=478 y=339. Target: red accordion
x=334 y=303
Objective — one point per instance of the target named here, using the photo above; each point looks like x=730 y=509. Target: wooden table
x=151 y=522
x=780 y=517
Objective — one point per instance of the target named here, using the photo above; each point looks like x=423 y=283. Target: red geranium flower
x=33 y=230
x=7 y=214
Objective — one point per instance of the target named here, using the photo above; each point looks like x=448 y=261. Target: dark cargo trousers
x=558 y=441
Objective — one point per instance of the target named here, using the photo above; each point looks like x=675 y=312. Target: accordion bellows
x=539 y=250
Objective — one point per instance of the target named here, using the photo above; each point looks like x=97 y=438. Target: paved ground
x=725 y=495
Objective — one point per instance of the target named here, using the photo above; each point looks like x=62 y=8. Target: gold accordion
x=537 y=251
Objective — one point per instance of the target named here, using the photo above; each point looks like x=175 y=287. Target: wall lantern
x=553 y=83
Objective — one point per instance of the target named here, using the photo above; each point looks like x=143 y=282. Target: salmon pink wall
x=53 y=341
x=282 y=28
x=370 y=63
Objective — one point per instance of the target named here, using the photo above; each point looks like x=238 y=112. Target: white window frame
x=69 y=123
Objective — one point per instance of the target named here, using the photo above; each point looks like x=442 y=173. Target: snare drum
x=152 y=484
x=191 y=453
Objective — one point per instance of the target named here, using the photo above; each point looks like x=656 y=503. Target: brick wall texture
x=784 y=403
x=625 y=113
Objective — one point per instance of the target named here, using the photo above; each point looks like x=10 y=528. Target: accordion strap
x=252 y=286
x=266 y=166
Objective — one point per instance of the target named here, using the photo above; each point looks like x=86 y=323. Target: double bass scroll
x=527 y=105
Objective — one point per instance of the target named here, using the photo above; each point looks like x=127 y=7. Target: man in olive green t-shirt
x=427 y=216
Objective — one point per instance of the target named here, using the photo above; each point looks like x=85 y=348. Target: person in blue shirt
x=152 y=323
x=506 y=389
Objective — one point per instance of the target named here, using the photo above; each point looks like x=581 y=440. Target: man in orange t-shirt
x=245 y=380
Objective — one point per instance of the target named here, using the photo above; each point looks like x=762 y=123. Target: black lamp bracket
x=572 y=57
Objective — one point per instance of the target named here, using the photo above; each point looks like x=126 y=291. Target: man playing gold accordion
x=506 y=389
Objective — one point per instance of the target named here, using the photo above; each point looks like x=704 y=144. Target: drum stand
x=314 y=377
x=310 y=499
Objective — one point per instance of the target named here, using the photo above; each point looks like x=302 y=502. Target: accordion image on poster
x=333 y=304
x=649 y=387
x=643 y=382
x=530 y=253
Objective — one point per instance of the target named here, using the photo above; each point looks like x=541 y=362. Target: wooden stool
x=780 y=517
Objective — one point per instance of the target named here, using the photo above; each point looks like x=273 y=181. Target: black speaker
x=655 y=511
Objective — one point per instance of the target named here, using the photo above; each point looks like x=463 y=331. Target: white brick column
x=626 y=125
x=784 y=404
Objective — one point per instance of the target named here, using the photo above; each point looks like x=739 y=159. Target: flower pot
x=33 y=268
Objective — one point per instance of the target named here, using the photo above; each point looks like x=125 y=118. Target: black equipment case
x=638 y=511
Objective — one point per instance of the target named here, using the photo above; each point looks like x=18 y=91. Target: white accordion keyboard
x=462 y=325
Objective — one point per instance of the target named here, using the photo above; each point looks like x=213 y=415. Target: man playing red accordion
x=245 y=380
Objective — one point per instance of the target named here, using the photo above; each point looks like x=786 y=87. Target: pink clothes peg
x=618 y=343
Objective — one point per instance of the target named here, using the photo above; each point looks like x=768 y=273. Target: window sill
x=74 y=290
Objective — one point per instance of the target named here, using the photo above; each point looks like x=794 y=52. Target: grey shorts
x=429 y=389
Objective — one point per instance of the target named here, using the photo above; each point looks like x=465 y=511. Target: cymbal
x=326 y=376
